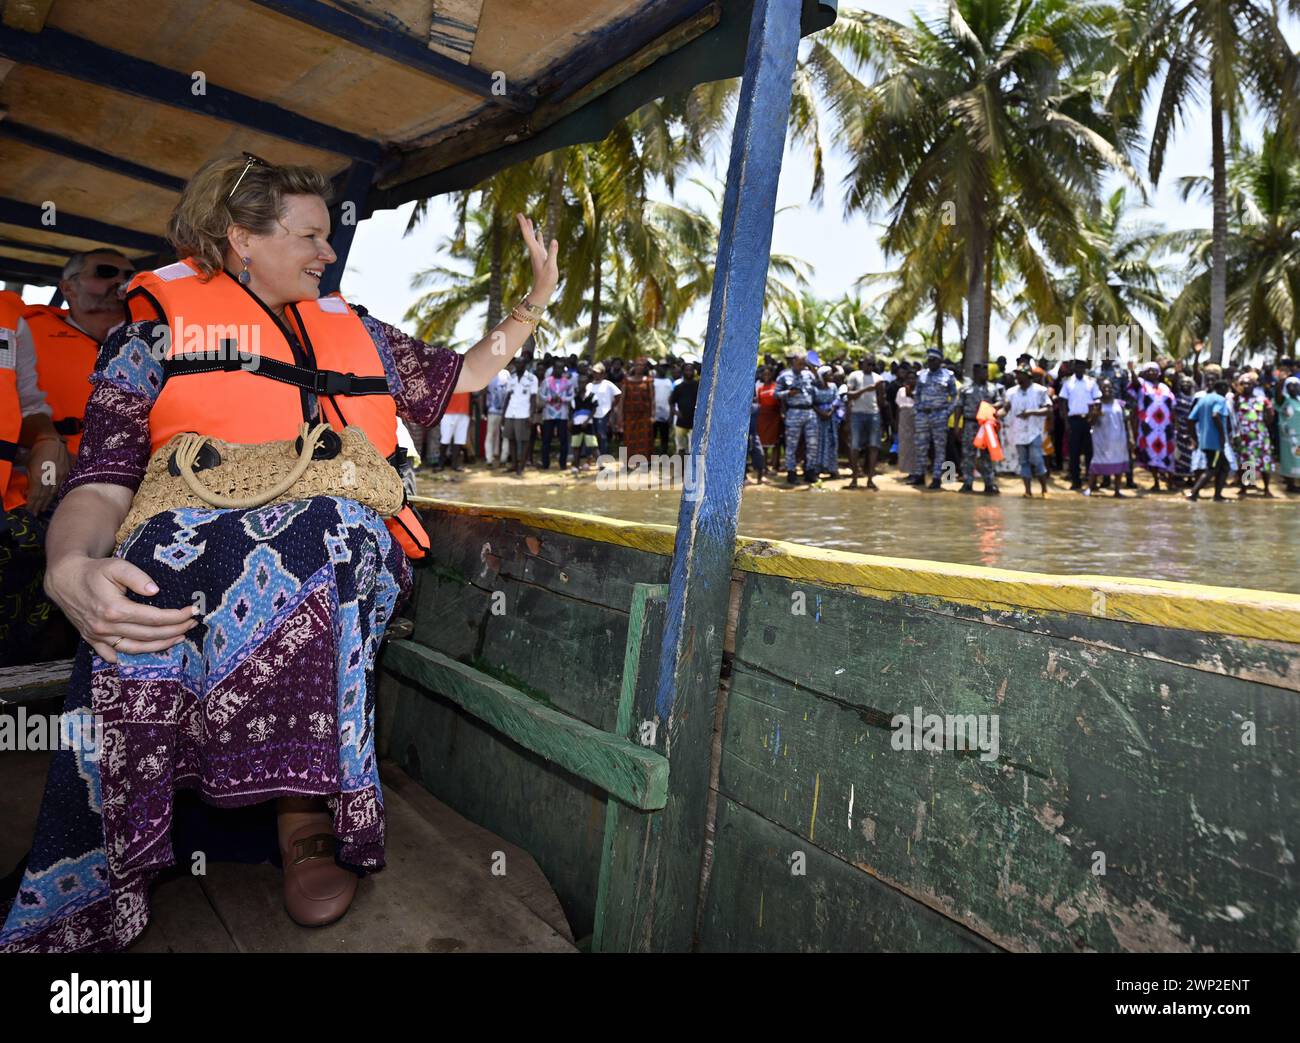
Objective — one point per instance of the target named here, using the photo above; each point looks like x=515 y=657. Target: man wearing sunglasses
x=65 y=343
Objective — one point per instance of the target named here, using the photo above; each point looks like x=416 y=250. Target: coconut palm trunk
x=593 y=331
x=977 y=345
x=1219 y=241
x=495 y=311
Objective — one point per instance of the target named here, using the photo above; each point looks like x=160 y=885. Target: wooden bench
x=34 y=682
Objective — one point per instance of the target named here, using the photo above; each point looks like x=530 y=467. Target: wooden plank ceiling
x=106 y=107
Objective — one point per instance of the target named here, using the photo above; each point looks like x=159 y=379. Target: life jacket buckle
x=332 y=382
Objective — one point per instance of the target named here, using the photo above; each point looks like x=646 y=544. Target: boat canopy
x=108 y=107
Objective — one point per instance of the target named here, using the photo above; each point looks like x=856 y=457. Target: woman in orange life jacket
x=231 y=651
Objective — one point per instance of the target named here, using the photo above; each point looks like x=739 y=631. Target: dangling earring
x=244 y=277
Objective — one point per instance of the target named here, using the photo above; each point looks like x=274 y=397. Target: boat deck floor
x=437 y=892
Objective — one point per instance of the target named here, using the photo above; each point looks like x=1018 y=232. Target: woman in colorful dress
x=769 y=415
x=1251 y=411
x=231 y=651
x=1288 y=430
x=638 y=400
x=1154 y=426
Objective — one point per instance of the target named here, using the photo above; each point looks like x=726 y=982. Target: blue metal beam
x=28 y=215
x=61 y=146
x=40 y=248
x=13 y=270
x=700 y=579
x=397 y=46
x=345 y=220
x=57 y=51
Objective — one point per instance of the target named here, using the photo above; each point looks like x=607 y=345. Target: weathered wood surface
x=632 y=773
x=1253 y=614
x=541 y=611
x=34 y=682
x=553 y=815
x=449 y=886
x=774 y=892
x=560 y=637
x=699 y=586
x=624 y=900
x=918 y=583
x=1123 y=731
x=1102 y=755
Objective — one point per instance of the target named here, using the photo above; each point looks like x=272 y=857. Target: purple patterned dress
x=271 y=695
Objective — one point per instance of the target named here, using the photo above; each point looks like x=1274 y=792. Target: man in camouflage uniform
x=795 y=387
x=978 y=389
x=936 y=391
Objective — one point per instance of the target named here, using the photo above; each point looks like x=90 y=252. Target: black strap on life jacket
x=317 y=381
x=8 y=450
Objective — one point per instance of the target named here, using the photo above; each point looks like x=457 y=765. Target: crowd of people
x=1185 y=425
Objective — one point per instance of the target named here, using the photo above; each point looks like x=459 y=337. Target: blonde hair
x=197 y=227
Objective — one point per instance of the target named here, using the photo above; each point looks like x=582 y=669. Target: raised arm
x=491 y=354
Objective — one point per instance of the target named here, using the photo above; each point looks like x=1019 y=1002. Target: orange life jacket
x=212 y=386
x=458 y=403
x=65 y=358
x=11 y=413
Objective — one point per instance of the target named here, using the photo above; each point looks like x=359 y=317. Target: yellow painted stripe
x=1182 y=606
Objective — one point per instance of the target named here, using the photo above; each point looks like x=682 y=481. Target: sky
x=840 y=249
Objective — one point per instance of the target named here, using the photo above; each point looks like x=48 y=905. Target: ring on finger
x=116 y=643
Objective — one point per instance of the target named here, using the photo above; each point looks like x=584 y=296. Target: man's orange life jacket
x=11 y=413
x=65 y=358
x=231 y=371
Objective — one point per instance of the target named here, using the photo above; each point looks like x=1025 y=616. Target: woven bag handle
x=187 y=452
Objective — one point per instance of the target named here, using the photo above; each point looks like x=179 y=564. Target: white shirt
x=30 y=397
x=1021 y=429
x=604 y=392
x=865 y=402
x=1079 y=394
x=663 y=388
x=519 y=395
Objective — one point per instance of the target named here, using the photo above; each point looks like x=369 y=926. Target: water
x=1253 y=544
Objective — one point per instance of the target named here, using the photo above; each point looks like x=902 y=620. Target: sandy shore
x=461 y=485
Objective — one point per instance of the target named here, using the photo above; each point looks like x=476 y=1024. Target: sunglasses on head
x=111 y=271
x=250 y=159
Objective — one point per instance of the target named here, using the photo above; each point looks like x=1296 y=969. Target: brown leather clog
x=317 y=890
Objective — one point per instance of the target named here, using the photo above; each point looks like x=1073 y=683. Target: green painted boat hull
x=1141 y=795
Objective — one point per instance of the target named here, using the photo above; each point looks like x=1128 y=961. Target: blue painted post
x=700 y=582
x=345 y=219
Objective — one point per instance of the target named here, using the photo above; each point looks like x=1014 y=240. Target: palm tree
x=1115 y=283
x=991 y=113
x=1261 y=250
x=1228 y=49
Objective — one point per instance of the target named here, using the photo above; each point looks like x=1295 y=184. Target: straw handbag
x=193 y=470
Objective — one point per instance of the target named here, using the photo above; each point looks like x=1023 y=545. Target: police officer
x=936 y=391
x=795 y=387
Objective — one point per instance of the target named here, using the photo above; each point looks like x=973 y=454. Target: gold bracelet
x=524 y=317
x=536 y=311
